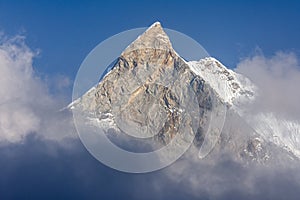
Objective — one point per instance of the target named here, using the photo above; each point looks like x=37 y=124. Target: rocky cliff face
x=152 y=92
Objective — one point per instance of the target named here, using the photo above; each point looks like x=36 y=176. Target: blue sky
x=65 y=31
x=41 y=156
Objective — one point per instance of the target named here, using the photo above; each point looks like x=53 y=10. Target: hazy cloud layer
x=26 y=106
x=224 y=178
x=45 y=169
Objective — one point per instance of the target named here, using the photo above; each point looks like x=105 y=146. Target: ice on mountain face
x=284 y=133
x=231 y=87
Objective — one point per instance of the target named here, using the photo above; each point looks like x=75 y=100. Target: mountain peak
x=154 y=38
x=155 y=24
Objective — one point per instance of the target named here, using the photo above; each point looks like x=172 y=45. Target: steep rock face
x=152 y=91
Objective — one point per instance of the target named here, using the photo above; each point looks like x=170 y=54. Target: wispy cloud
x=278 y=78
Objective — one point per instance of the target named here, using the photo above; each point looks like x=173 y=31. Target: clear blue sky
x=66 y=31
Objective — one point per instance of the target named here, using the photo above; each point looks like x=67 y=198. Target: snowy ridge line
x=284 y=133
x=230 y=86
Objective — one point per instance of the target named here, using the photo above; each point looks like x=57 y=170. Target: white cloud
x=26 y=106
x=278 y=78
x=276 y=112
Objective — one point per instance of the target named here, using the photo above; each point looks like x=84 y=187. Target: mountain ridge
x=126 y=94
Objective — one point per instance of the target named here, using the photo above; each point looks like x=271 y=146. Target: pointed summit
x=154 y=38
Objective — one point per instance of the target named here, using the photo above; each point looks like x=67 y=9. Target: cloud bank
x=26 y=105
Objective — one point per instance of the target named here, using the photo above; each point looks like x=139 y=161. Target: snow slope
x=230 y=86
x=238 y=91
